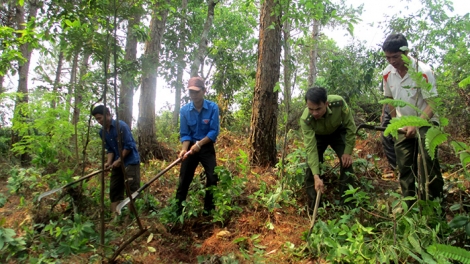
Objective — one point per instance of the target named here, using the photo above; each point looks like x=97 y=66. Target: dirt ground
x=198 y=236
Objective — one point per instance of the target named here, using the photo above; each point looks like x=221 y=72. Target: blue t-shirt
x=127 y=141
x=195 y=125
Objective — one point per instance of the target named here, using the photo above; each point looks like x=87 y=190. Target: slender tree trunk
x=287 y=65
x=265 y=107
x=312 y=74
x=181 y=63
x=1 y=83
x=72 y=83
x=126 y=93
x=198 y=64
x=57 y=79
x=78 y=98
x=20 y=115
x=148 y=146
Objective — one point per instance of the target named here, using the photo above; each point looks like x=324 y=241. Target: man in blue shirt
x=199 y=128
x=130 y=156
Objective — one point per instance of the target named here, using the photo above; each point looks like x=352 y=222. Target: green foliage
x=67 y=236
x=461 y=221
x=10 y=246
x=226 y=194
x=387 y=233
x=294 y=169
x=434 y=137
x=465 y=82
x=449 y=252
x=463 y=151
x=23 y=181
x=271 y=200
x=165 y=130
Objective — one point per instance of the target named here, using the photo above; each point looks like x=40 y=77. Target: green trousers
x=409 y=167
x=337 y=141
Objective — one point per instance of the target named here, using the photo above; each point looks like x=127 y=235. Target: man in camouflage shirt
x=327 y=121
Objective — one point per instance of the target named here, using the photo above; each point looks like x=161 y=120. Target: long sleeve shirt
x=127 y=141
x=195 y=125
x=338 y=114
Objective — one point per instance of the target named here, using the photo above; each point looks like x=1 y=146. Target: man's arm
x=348 y=123
x=310 y=144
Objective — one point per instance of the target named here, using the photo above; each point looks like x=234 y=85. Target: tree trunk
x=181 y=63
x=288 y=66
x=78 y=98
x=265 y=107
x=198 y=64
x=312 y=73
x=1 y=83
x=20 y=113
x=57 y=79
x=126 y=93
x=72 y=83
x=146 y=123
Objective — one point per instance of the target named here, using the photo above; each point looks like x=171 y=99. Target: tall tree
x=58 y=73
x=265 y=107
x=180 y=62
x=23 y=68
x=126 y=93
x=78 y=98
x=312 y=73
x=146 y=122
x=198 y=63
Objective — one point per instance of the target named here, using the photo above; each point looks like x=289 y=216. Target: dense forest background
x=258 y=58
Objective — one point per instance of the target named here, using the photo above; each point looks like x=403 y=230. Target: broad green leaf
x=459 y=221
x=464 y=82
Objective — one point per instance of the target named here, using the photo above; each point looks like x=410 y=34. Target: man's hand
x=346 y=160
x=410 y=131
x=108 y=166
x=117 y=163
x=181 y=154
x=184 y=154
x=319 y=187
x=195 y=148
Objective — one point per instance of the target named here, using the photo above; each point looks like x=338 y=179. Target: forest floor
x=243 y=238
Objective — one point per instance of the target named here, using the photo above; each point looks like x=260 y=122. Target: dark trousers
x=337 y=141
x=387 y=141
x=117 y=187
x=206 y=156
x=407 y=150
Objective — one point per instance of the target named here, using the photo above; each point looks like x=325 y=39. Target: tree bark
x=1 y=83
x=78 y=98
x=288 y=66
x=312 y=73
x=148 y=147
x=57 y=79
x=265 y=107
x=181 y=63
x=20 y=115
x=198 y=64
x=72 y=83
x=126 y=93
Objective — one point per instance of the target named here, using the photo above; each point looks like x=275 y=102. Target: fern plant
x=440 y=251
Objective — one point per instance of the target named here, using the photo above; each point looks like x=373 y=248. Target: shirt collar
x=204 y=105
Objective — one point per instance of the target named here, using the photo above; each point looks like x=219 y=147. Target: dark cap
x=196 y=83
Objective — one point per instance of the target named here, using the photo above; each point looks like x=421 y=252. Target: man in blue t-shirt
x=199 y=128
x=129 y=154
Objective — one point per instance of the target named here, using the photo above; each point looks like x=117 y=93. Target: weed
x=10 y=245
